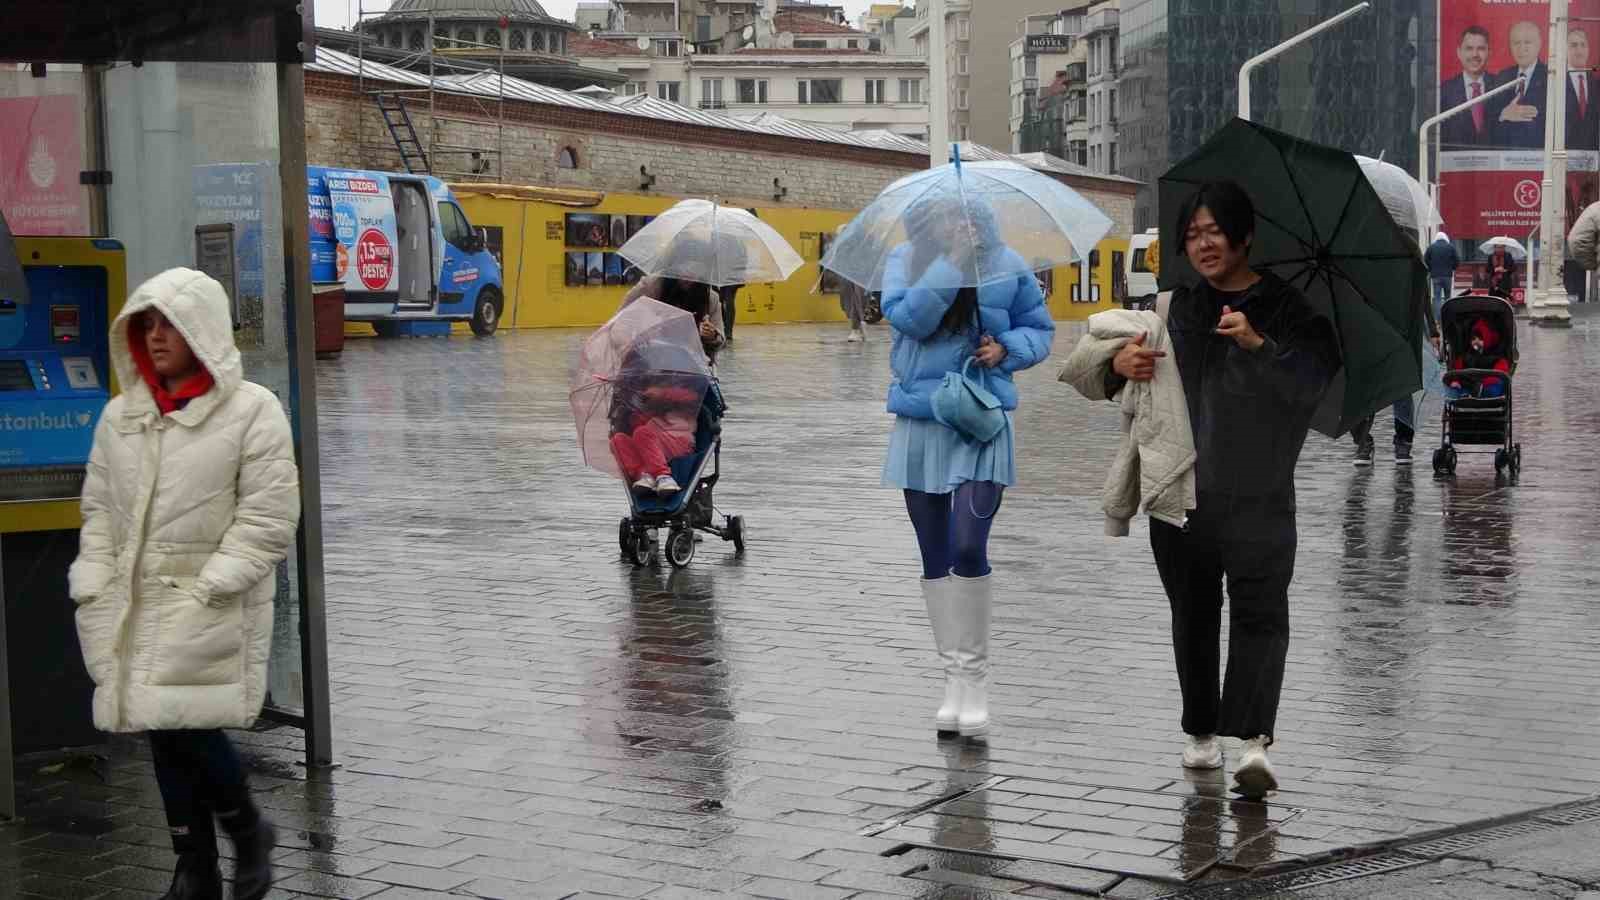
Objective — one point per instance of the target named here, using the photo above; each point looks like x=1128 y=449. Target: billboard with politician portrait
x=1491 y=158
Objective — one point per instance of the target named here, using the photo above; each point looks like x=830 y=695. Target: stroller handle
x=1478 y=373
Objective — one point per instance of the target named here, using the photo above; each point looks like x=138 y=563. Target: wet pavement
x=520 y=714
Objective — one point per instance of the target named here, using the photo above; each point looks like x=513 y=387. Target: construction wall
x=532 y=236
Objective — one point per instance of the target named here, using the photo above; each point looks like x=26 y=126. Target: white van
x=1141 y=280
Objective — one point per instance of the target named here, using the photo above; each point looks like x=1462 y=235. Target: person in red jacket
x=1482 y=352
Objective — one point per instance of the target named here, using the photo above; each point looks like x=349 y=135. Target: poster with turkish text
x=41 y=156
x=1491 y=155
x=364 y=231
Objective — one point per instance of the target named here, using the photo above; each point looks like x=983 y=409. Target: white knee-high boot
x=940 y=596
x=973 y=599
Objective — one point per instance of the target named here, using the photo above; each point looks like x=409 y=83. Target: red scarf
x=166 y=401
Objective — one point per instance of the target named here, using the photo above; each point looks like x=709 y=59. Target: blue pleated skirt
x=926 y=456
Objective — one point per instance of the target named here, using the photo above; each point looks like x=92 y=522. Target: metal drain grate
x=1457 y=843
x=1293 y=881
x=907 y=815
x=1574 y=815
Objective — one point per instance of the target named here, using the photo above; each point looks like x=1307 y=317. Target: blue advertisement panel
x=364 y=230
x=232 y=192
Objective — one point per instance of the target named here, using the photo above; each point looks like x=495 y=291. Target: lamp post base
x=1550 y=309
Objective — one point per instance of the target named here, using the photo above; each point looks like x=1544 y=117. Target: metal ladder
x=412 y=156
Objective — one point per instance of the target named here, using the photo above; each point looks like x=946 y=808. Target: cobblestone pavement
x=519 y=714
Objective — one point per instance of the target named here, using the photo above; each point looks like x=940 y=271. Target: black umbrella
x=1321 y=227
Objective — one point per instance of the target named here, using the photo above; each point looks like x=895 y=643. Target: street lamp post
x=1254 y=61
x=1549 y=305
x=938 y=87
x=1422 y=143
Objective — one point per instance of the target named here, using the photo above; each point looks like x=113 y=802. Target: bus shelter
x=141 y=135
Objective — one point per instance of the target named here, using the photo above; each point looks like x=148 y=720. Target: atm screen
x=14 y=375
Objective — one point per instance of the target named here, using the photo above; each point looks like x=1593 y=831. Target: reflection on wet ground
x=521 y=714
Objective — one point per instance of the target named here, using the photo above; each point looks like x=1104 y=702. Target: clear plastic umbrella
x=645 y=365
x=1405 y=197
x=970 y=212
x=697 y=240
x=1517 y=251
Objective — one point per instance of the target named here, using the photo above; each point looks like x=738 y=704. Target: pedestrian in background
x=954 y=484
x=190 y=502
x=853 y=302
x=1255 y=360
x=1442 y=260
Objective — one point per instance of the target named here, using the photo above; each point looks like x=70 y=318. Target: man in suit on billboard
x=1470 y=128
x=1583 y=117
x=1520 y=121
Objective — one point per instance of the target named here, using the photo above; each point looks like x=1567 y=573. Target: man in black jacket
x=1255 y=360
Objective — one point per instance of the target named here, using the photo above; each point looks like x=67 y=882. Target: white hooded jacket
x=1154 y=466
x=185 y=519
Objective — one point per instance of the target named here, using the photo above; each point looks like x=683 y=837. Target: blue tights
x=953 y=529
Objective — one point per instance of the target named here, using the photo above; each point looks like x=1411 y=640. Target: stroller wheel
x=644 y=548
x=1502 y=460
x=680 y=547
x=625 y=539
x=1516 y=458
x=1439 y=467
x=1450 y=460
x=736 y=533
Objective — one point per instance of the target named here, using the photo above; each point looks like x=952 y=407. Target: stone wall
x=687 y=160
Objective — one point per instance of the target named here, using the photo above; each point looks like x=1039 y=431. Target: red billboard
x=41 y=156
x=1491 y=158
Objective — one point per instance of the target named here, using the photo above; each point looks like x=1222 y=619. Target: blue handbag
x=964 y=404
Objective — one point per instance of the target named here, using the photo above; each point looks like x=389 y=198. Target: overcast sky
x=340 y=13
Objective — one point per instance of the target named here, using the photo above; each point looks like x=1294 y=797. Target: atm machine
x=57 y=299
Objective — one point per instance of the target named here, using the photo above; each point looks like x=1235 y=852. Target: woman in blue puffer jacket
x=953 y=485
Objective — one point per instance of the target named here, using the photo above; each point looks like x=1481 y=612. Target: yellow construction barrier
x=529 y=226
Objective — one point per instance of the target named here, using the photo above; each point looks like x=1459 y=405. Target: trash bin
x=328 y=310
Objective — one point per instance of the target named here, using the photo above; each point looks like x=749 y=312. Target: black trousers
x=729 y=296
x=1252 y=550
x=201 y=779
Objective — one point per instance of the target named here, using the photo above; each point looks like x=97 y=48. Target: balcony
x=1101 y=20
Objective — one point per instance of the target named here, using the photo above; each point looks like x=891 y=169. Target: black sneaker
x=1402 y=454
x=1363 y=456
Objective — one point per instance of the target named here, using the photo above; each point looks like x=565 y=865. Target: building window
x=711 y=93
x=416 y=39
x=1111 y=159
x=810 y=45
x=875 y=93
x=519 y=40
x=963 y=29
x=441 y=39
x=467 y=36
x=1030 y=67
x=965 y=133
x=491 y=36
x=558 y=43
x=910 y=90
x=633 y=89
x=567 y=158
x=667 y=48
x=538 y=41
x=702 y=28
x=821 y=90
x=752 y=90
x=851 y=44
x=961 y=64
x=667 y=90
x=961 y=99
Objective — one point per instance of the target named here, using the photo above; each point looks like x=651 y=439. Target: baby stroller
x=690 y=509
x=1478 y=404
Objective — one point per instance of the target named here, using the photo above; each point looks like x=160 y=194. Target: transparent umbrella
x=1405 y=197
x=644 y=365
x=1517 y=251
x=970 y=212
x=697 y=240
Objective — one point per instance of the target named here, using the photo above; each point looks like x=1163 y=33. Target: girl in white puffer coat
x=191 y=500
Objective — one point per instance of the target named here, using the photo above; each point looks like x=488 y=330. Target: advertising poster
x=232 y=193
x=364 y=230
x=41 y=154
x=1491 y=159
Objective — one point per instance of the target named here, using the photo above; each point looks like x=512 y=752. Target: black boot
x=252 y=853
x=196 y=877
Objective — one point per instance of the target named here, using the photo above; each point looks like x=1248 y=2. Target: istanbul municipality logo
x=46 y=422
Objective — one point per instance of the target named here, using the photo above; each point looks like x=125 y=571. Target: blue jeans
x=1441 y=293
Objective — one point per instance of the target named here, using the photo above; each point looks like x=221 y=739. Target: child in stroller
x=652 y=425
x=1481 y=352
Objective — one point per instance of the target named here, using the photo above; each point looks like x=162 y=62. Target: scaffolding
x=482 y=163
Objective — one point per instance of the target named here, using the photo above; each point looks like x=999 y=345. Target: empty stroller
x=1480 y=359
x=689 y=509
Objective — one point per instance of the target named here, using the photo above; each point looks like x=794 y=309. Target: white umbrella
x=1405 y=197
x=973 y=212
x=697 y=240
x=1517 y=251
